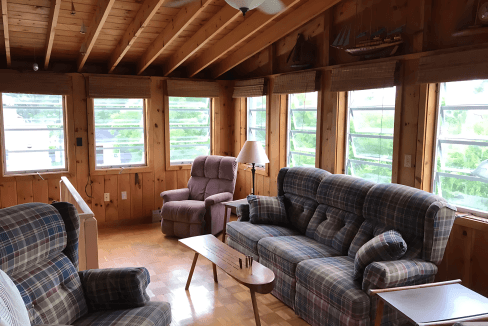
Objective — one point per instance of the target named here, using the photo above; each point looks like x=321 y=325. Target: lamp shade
x=252 y=152
x=249 y=4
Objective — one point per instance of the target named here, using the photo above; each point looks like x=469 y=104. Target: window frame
x=69 y=138
x=433 y=103
x=259 y=169
x=148 y=144
x=187 y=166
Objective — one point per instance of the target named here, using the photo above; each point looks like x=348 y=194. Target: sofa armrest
x=175 y=195
x=242 y=212
x=389 y=274
x=115 y=288
x=218 y=198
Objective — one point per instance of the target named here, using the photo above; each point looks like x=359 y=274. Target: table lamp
x=252 y=152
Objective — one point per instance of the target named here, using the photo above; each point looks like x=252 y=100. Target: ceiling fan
x=270 y=7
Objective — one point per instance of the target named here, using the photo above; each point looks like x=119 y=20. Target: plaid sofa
x=39 y=252
x=330 y=218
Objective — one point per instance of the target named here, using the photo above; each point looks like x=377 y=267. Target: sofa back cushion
x=424 y=220
x=33 y=247
x=211 y=175
x=339 y=216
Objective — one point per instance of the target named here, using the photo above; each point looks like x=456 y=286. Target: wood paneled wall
x=142 y=189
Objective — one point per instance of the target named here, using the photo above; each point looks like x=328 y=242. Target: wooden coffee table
x=258 y=279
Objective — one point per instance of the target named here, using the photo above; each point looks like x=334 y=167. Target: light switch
x=106 y=196
x=408 y=161
x=124 y=195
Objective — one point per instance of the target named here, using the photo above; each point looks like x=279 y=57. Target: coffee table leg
x=191 y=271
x=215 y=273
x=255 y=308
x=379 y=312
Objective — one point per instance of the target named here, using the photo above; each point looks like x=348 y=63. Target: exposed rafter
x=104 y=7
x=216 y=24
x=51 y=30
x=5 y=32
x=240 y=34
x=184 y=18
x=288 y=24
x=142 y=18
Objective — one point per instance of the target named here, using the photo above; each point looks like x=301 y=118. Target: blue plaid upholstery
x=242 y=212
x=302 y=182
x=242 y=249
x=152 y=314
x=285 y=253
x=72 y=226
x=267 y=210
x=247 y=234
x=413 y=213
x=386 y=246
x=284 y=288
x=115 y=288
x=299 y=210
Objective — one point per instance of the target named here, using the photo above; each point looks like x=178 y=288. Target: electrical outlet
x=106 y=196
x=124 y=195
x=408 y=161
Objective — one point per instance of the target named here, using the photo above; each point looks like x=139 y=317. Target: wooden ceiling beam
x=5 y=32
x=295 y=19
x=249 y=27
x=215 y=25
x=140 y=21
x=96 y=25
x=51 y=30
x=171 y=32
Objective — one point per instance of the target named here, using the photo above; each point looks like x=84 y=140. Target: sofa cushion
x=303 y=182
x=299 y=211
x=386 y=246
x=267 y=210
x=284 y=253
x=248 y=235
x=330 y=279
x=188 y=211
x=12 y=307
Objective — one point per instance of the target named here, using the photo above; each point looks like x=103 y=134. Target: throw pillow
x=386 y=246
x=267 y=210
x=12 y=308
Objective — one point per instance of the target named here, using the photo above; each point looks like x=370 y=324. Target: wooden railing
x=88 y=240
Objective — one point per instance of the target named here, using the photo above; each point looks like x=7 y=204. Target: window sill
x=44 y=175
x=178 y=167
x=109 y=171
x=261 y=171
x=472 y=221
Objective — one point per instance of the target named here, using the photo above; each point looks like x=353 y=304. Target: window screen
x=371 y=119
x=302 y=129
x=119 y=132
x=189 y=128
x=461 y=165
x=34 y=133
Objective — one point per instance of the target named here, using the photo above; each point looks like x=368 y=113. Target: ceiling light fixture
x=83 y=49
x=73 y=11
x=245 y=5
x=83 y=27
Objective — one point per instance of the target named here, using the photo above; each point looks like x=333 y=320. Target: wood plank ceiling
x=205 y=35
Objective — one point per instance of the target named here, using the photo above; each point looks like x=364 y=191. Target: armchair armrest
x=175 y=195
x=388 y=274
x=218 y=198
x=115 y=288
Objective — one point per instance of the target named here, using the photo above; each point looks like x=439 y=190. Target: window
x=34 y=133
x=369 y=147
x=302 y=129
x=189 y=128
x=256 y=120
x=119 y=132
x=461 y=156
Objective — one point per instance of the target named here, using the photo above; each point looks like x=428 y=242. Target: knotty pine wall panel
x=142 y=189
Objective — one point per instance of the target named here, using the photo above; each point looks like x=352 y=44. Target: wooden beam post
x=288 y=24
x=96 y=25
x=5 y=32
x=51 y=30
x=140 y=21
x=184 y=18
x=249 y=27
x=215 y=24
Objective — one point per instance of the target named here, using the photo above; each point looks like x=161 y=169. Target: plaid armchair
x=39 y=250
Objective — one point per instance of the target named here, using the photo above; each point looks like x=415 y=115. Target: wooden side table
x=443 y=303
x=232 y=205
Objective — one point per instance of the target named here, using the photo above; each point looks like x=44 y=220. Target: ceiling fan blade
x=271 y=7
x=177 y=3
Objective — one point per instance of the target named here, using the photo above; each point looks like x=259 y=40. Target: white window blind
x=371 y=120
x=256 y=120
x=34 y=131
x=302 y=129
x=189 y=128
x=461 y=164
x=119 y=132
